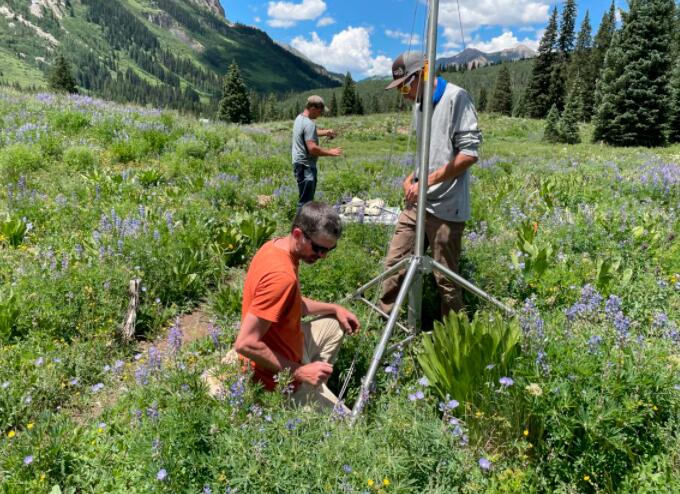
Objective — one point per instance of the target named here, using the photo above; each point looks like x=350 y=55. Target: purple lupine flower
x=28 y=460
x=207 y=489
x=39 y=361
x=155 y=359
x=594 y=343
x=156 y=445
x=448 y=405
x=292 y=424
x=152 y=411
x=175 y=337
x=142 y=375
x=346 y=468
x=162 y=474
x=215 y=332
x=612 y=307
x=236 y=392
x=484 y=464
x=97 y=387
x=394 y=366
x=423 y=381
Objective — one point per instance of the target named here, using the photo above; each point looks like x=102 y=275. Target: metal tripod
x=418 y=264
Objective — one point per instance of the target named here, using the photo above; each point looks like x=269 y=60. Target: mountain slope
x=161 y=52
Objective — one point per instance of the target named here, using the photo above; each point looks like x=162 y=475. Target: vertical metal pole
x=416 y=293
x=380 y=349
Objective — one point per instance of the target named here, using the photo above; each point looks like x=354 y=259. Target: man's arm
x=348 y=321
x=314 y=149
x=452 y=169
x=249 y=344
x=330 y=133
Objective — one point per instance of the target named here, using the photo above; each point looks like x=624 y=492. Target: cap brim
x=396 y=82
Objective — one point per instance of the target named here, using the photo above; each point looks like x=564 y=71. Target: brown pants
x=445 y=238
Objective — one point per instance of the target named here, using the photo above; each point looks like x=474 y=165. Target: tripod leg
x=459 y=280
x=381 y=277
x=380 y=349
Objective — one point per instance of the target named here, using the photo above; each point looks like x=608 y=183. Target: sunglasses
x=318 y=249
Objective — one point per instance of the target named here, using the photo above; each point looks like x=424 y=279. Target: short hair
x=319 y=106
x=318 y=217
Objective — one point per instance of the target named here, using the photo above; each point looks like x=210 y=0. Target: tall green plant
x=458 y=356
x=12 y=231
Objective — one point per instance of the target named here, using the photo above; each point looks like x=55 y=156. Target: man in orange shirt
x=272 y=337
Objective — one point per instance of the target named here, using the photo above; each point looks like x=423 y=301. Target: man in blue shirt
x=305 y=148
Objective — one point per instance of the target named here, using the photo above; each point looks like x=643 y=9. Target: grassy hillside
x=164 y=52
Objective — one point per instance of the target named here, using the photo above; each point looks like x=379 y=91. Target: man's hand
x=411 y=193
x=348 y=322
x=334 y=152
x=315 y=373
x=330 y=133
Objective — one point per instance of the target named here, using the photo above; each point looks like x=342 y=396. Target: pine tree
x=60 y=78
x=482 y=102
x=501 y=100
x=634 y=90
x=565 y=44
x=358 y=106
x=537 y=97
x=603 y=40
x=674 y=119
x=581 y=69
x=348 y=103
x=568 y=127
x=551 y=133
x=334 y=106
x=234 y=105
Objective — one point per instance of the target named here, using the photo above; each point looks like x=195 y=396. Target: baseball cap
x=317 y=101
x=405 y=65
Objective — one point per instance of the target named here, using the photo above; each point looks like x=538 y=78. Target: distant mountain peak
x=471 y=56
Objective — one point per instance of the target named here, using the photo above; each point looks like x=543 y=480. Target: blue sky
x=362 y=36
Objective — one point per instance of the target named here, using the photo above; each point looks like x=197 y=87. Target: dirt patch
x=194 y=326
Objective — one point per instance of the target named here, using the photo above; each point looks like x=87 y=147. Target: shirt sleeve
x=310 y=133
x=465 y=132
x=273 y=297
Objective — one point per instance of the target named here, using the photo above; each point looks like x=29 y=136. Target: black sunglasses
x=318 y=249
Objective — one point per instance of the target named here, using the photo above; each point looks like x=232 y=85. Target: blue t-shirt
x=304 y=129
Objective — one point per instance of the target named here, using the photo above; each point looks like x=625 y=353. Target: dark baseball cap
x=405 y=65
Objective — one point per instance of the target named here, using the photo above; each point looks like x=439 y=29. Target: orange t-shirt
x=272 y=292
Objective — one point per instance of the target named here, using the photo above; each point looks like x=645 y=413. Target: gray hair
x=318 y=217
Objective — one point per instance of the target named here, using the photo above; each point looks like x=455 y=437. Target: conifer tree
x=234 y=105
x=348 y=103
x=634 y=90
x=537 y=97
x=565 y=44
x=334 y=106
x=581 y=69
x=603 y=40
x=551 y=133
x=60 y=78
x=482 y=102
x=674 y=120
x=501 y=100
x=568 y=128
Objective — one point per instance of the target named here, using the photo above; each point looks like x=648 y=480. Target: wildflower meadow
x=578 y=393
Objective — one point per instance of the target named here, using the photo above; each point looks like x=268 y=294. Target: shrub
x=70 y=122
x=80 y=158
x=19 y=159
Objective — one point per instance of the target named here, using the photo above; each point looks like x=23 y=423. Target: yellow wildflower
x=586 y=478
x=11 y=434
x=654 y=408
x=42 y=476
x=370 y=482
x=386 y=482
x=30 y=425
x=526 y=432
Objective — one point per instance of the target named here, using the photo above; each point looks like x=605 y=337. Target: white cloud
x=478 y=13
x=412 y=40
x=505 y=40
x=257 y=19
x=287 y=14
x=349 y=50
x=325 y=21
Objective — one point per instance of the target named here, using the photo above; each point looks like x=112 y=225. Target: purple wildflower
x=484 y=464
x=175 y=337
x=506 y=381
x=28 y=460
x=161 y=475
x=97 y=387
